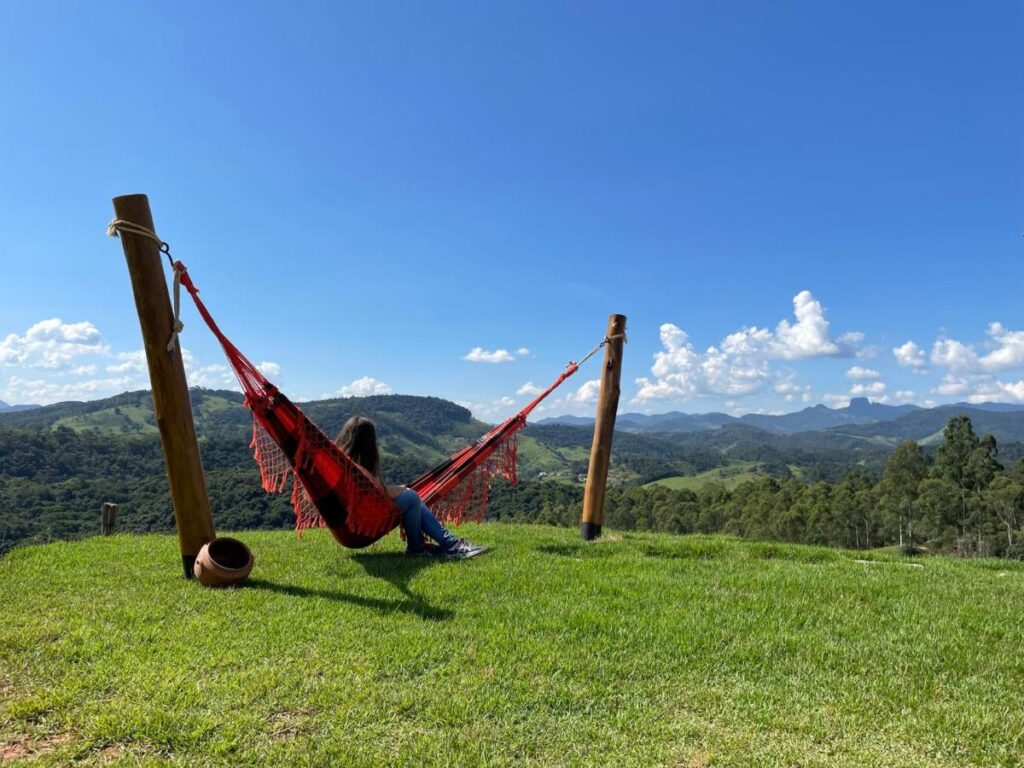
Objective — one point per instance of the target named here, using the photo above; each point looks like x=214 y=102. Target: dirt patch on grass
x=30 y=747
x=110 y=754
x=289 y=724
x=699 y=760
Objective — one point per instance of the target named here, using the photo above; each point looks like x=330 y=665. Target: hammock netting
x=329 y=489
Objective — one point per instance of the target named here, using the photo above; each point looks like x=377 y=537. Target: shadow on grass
x=392 y=567
x=695 y=550
x=578 y=551
x=687 y=550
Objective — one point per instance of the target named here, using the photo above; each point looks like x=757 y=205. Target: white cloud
x=740 y=365
x=952 y=385
x=863 y=387
x=481 y=355
x=587 y=393
x=732 y=374
x=51 y=344
x=808 y=336
x=43 y=392
x=873 y=390
x=50 y=363
x=268 y=368
x=909 y=355
x=364 y=387
x=971 y=368
x=1007 y=349
x=207 y=375
x=529 y=388
x=1005 y=352
x=130 y=361
x=211 y=376
x=954 y=355
x=491 y=411
x=576 y=401
x=998 y=392
x=980 y=388
x=903 y=396
x=856 y=372
x=790 y=390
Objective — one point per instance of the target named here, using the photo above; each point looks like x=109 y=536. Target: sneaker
x=463 y=549
x=427 y=550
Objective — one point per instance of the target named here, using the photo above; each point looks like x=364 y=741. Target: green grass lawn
x=637 y=650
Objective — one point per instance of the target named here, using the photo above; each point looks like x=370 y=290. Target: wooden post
x=108 y=518
x=171 y=404
x=604 y=427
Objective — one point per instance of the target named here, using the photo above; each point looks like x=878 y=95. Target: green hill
x=924 y=425
x=59 y=463
x=635 y=651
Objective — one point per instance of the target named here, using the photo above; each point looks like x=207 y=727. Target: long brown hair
x=358 y=439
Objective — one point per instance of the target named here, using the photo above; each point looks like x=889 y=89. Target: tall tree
x=969 y=463
x=1005 y=498
x=904 y=470
x=937 y=506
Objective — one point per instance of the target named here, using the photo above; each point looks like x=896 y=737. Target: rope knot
x=179 y=270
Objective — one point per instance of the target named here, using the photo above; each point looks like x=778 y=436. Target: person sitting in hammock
x=358 y=439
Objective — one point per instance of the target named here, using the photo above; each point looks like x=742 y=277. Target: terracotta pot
x=223 y=562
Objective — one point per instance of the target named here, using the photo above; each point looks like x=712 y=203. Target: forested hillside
x=59 y=463
x=856 y=486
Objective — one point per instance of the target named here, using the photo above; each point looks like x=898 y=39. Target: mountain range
x=418 y=432
x=58 y=462
x=5 y=408
x=860 y=411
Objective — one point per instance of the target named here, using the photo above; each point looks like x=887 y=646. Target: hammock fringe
x=329 y=489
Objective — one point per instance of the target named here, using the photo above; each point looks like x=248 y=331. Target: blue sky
x=779 y=196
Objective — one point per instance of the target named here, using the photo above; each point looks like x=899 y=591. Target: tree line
x=961 y=500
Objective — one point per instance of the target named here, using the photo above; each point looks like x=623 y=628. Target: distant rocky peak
x=859 y=405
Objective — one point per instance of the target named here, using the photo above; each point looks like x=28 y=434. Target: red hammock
x=332 y=490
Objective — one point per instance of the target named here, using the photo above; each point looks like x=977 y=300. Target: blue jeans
x=419 y=520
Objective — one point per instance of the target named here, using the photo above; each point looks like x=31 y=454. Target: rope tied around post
x=118 y=226
x=133 y=225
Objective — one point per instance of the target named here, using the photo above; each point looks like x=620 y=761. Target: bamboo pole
x=171 y=405
x=604 y=427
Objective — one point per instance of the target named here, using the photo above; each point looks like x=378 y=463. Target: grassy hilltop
x=638 y=650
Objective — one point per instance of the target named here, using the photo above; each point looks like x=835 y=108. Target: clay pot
x=223 y=562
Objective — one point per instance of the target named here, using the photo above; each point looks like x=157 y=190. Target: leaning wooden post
x=171 y=404
x=604 y=427
x=108 y=518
